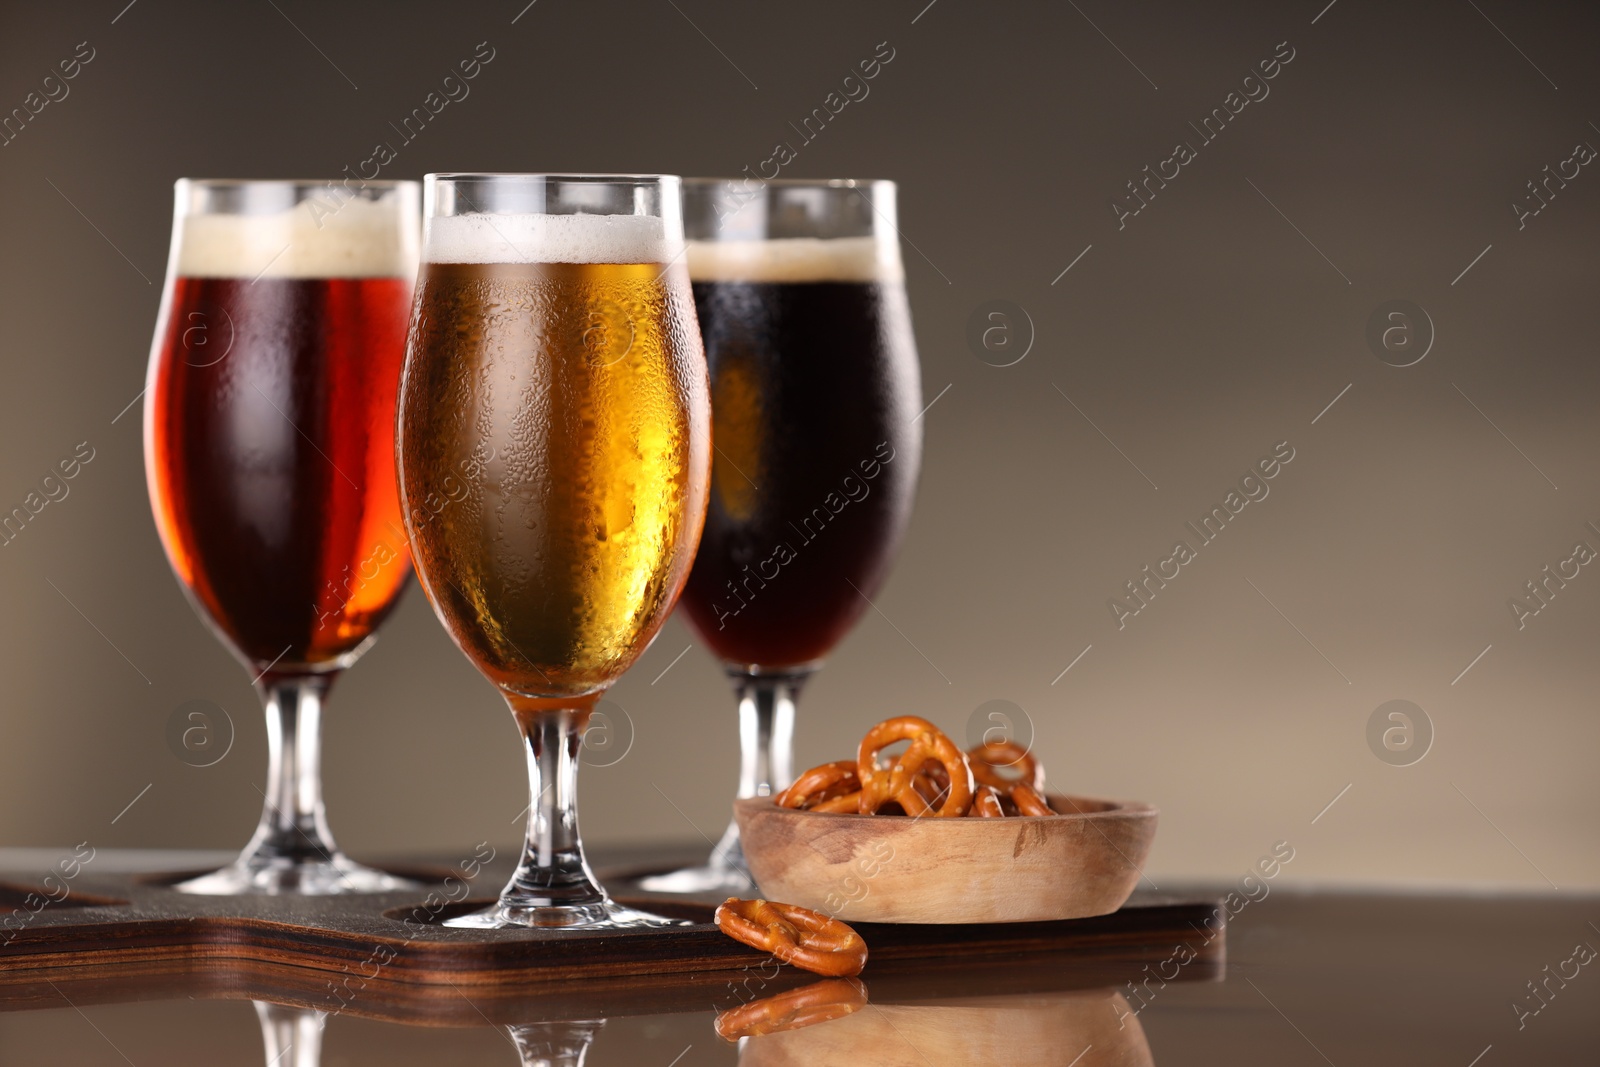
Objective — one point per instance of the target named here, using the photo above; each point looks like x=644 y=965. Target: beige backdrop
x=1220 y=320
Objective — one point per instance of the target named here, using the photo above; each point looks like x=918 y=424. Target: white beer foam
x=483 y=238
x=796 y=259
x=324 y=238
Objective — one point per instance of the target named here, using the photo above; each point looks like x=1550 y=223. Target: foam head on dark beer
x=796 y=259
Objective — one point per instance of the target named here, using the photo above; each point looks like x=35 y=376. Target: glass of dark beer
x=815 y=396
x=269 y=454
x=554 y=440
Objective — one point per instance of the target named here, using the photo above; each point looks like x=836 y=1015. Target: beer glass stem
x=766 y=744
x=553 y=886
x=292 y=850
x=293 y=825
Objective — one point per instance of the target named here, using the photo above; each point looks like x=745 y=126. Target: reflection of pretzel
x=880 y=785
x=820 y=784
x=989 y=758
x=794 y=935
x=819 y=1002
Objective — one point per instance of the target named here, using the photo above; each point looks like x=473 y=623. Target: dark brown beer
x=814 y=393
x=270 y=458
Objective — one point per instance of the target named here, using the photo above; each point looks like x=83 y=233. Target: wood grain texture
x=892 y=869
x=370 y=954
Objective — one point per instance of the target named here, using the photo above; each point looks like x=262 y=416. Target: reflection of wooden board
x=117 y=932
x=447 y=1006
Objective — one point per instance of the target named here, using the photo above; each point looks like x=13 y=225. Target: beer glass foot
x=601 y=915
x=766 y=745
x=292 y=850
x=699 y=880
x=276 y=875
x=724 y=872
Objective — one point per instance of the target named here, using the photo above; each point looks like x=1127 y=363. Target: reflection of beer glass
x=292 y=1036
x=269 y=452
x=815 y=396
x=554 y=1044
x=554 y=442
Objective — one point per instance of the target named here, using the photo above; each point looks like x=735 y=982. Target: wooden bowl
x=892 y=869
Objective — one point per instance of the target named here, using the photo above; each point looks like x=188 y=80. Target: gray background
x=1206 y=331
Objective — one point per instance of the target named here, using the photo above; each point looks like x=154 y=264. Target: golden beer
x=554 y=457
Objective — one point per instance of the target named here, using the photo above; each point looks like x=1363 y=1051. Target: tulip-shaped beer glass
x=815 y=399
x=269 y=453
x=554 y=443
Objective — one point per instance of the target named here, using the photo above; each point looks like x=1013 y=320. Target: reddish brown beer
x=271 y=466
x=269 y=413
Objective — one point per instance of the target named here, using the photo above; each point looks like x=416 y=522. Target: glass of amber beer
x=554 y=444
x=269 y=454
x=815 y=399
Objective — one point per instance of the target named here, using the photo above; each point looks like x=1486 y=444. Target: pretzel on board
x=794 y=935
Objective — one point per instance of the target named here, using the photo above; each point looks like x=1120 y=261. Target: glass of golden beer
x=554 y=456
x=269 y=454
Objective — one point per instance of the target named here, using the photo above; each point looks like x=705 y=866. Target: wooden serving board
x=372 y=954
